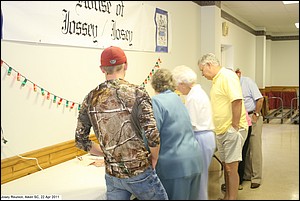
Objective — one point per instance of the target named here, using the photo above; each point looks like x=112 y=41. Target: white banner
x=131 y=25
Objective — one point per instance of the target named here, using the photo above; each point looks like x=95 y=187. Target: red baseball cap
x=113 y=56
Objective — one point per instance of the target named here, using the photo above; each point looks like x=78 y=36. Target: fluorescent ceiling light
x=297 y=25
x=290 y=2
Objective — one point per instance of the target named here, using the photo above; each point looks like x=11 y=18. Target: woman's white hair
x=184 y=74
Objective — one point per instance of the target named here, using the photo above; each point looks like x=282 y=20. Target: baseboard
x=16 y=167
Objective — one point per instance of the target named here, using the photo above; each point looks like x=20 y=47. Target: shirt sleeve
x=254 y=90
x=157 y=113
x=148 y=122
x=83 y=128
x=234 y=89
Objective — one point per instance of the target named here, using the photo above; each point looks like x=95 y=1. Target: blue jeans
x=145 y=186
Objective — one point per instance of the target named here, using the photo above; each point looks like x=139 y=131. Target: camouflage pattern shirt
x=122 y=118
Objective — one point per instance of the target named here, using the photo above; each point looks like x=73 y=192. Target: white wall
x=268 y=64
x=281 y=57
x=31 y=122
x=285 y=63
x=241 y=43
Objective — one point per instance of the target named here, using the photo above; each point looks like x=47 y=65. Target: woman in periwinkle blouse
x=179 y=166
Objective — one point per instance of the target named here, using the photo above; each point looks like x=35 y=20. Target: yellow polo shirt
x=225 y=89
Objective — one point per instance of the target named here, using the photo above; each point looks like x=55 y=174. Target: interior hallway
x=280 y=166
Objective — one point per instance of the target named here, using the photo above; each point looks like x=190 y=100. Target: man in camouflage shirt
x=122 y=118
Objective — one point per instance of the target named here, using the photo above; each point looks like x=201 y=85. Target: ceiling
x=272 y=16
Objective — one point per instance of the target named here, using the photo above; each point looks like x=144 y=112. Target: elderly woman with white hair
x=199 y=108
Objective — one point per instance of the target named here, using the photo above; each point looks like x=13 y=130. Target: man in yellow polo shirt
x=229 y=117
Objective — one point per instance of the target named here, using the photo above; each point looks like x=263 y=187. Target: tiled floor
x=280 y=166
